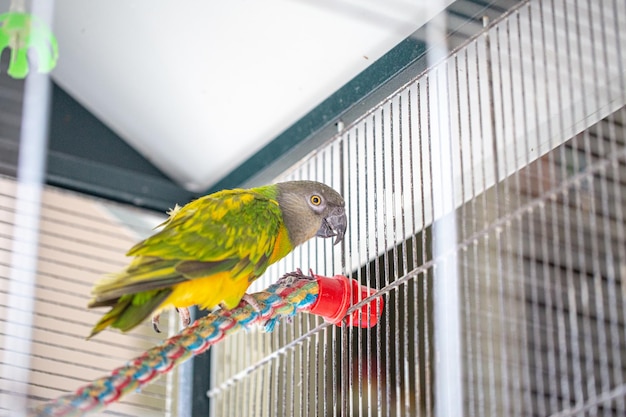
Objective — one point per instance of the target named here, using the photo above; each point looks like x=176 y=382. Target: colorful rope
x=283 y=299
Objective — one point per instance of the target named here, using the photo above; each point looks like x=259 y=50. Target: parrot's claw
x=155 y=323
x=185 y=317
x=183 y=312
x=290 y=277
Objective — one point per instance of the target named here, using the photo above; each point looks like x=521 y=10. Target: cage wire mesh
x=531 y=112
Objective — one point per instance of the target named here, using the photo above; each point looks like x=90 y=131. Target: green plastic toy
x=22 y=33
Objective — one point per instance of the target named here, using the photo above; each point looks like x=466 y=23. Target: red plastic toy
x=338 y=294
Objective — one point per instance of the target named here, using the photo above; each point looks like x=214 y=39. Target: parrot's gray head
x=311 y=209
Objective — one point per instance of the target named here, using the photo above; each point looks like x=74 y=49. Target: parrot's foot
x=183 y=312
x=247 y=298
x=290 y=277
x=252 y=302
x=288 y=280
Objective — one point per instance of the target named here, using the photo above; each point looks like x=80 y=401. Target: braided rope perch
x=291 y=294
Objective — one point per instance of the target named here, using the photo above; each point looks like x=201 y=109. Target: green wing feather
x=232 y=230
x=237 y=223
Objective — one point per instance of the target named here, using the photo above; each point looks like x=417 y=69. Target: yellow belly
x=208 y=292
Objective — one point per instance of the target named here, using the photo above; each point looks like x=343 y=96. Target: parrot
x=208 y=252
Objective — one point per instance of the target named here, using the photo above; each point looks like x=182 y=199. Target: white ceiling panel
x=199 y=86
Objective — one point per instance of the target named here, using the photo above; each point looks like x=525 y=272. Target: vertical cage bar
x=24 y=250
x=448 y=384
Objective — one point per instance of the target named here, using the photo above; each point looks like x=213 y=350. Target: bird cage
x=485 y=187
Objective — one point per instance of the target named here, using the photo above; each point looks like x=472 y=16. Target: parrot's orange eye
x=316 y=200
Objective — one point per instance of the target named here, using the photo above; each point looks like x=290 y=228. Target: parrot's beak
x=334 y=225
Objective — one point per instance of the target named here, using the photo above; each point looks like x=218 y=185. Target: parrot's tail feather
x=109 y=297
x=144 y=274
x=130 y=310
x=110 y=302
x=109 y=318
